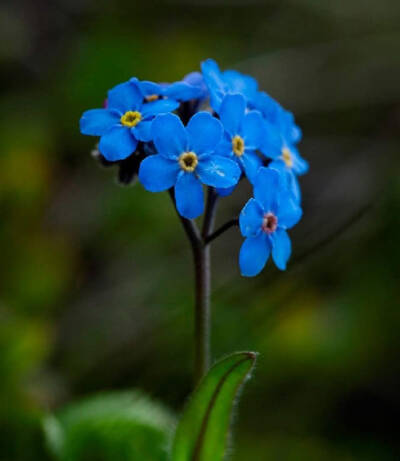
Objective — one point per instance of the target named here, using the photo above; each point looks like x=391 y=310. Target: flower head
x=243 y=133
x=264 y=221
x=186 y=158
x=125 y=121
x=220 y=83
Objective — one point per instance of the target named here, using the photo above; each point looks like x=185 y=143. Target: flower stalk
x=202 y=329
x=202 y=265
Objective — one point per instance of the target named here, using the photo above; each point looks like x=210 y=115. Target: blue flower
x=191 y=87
x=228 y=82
x=279 y=144
x=264 y=221
x=186 y=159
x=125 y=121
x=242 y=136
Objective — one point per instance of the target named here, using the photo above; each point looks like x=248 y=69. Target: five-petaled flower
x=186 y=158
x=264 y=221
x=243 y=134
x=125 y=121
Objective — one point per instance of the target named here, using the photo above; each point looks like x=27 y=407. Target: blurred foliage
x=113 y=426
x=95 y=280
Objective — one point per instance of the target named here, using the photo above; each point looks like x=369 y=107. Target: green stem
x=201 y=257
x=203 y=290
x=232 y=223
x=202 y=311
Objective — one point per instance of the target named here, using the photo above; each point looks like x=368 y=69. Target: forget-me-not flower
x=243 y=133
x=186 y=158
x=264 y=221
x=126 y=120
x=227 y=82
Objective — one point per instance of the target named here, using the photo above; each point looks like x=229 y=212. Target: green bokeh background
x=95 y=279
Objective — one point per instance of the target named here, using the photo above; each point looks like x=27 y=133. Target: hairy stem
x=203 y=288
x=201 y=256
x=202 y=312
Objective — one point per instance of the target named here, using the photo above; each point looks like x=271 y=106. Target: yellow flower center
x=151 y=97
x=287 y=157
x=188 y=161
x=131 y=118
x=238 y=145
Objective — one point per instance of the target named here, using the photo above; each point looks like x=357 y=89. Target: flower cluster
x=214 y=128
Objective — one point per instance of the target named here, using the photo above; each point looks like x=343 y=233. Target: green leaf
x=123 y=426
x=203 y=430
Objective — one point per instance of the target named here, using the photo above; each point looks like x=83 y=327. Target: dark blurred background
x=95 y=281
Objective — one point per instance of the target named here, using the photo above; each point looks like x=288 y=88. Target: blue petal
x=182 y=91
x=289 y=178
x=96 y=122
x=253 y=130
x=125 y=96
x=271 y=141
x=224 y=147
x=300 y=166
x=117 y=144
x=212 y=75
x=214 y=82
x=149 y=88
x=142 y=131
x=196 y=79
x=281 y=248
x=289 y=211
x=216 y=97
x=270 y=108
x=279 y=165
x=232 y=113
x=158 y=173
x=169 y=135
x=294 y=187
x=224 y=192
x=251 y=163
x=288 y=127
x=267 y=186
x=254 y=254
x=161 y=106
x=251 y=218
x=295 y=134
x=204 y=132
x=218 y=171
x=239 y=83
x=189 y=196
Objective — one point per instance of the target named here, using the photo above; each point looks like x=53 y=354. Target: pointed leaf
x=203 y=430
